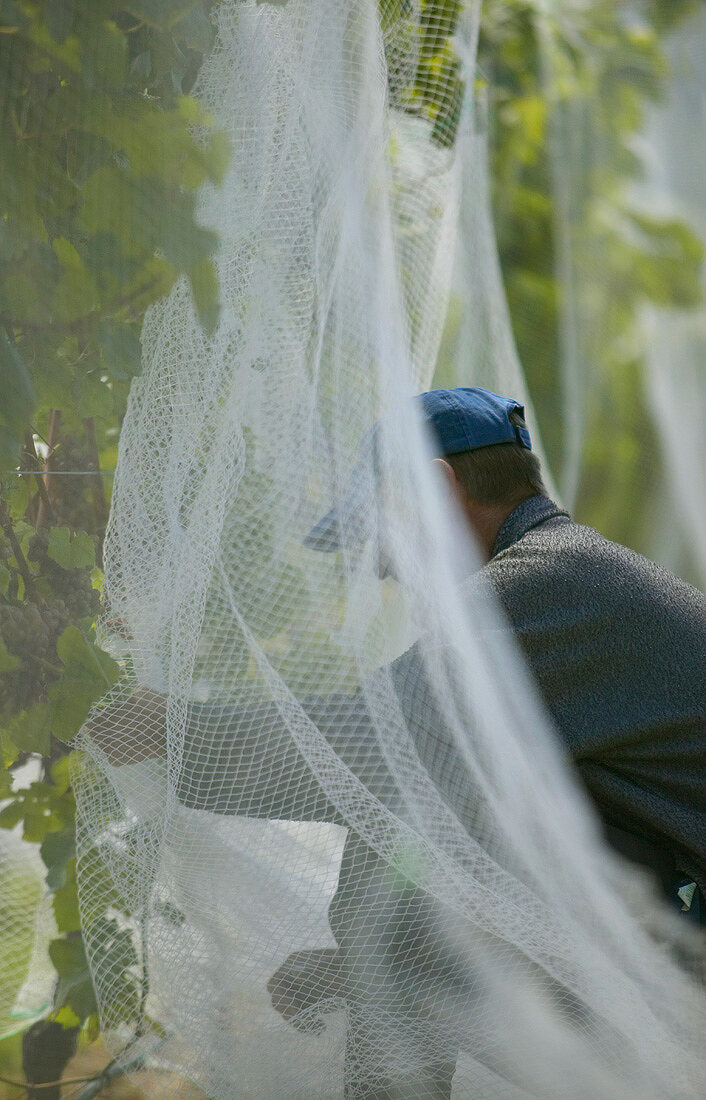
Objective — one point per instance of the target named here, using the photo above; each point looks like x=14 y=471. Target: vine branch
x=45 y=504
x=6 y=524
x=51 y=443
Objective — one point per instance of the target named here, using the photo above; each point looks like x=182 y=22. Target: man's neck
x=486 y=521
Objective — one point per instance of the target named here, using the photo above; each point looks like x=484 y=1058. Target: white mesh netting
x=26 y=922
x=263 y=781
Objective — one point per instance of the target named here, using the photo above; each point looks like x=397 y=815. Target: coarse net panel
x=326 y=792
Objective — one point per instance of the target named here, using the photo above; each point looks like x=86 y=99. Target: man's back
x=617 y=646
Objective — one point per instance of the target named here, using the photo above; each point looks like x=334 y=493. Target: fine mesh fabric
x=27 y=925
x=397 y=854
x=674 y=380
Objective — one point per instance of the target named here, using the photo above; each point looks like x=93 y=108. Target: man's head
x=485 y=456
x=488 y=483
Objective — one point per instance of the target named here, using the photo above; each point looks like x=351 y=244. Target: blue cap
x=469 y=417
x=462 y=419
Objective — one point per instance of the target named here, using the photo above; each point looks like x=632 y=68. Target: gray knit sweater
x=617 y=646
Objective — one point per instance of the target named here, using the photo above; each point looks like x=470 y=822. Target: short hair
x=504 y=473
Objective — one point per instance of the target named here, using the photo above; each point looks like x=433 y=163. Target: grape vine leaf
x=30 y=730
x=89 y=672
x=71 y=552
x=56 y=850
x=75 y=987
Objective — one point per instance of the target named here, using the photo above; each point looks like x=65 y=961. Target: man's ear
x=442 y=467
x=457 y=490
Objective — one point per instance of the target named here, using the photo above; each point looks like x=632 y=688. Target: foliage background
x=103 y=152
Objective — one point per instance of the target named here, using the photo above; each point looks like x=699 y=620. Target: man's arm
x=131 y=731
x=244 y=759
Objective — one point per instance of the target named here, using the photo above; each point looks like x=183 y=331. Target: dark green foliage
x=46 y=1049
x=100 y=169
x=103 y=151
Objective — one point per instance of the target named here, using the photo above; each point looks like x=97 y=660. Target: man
x=616 y=643
x=617 y=646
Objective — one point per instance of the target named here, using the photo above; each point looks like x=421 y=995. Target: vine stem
x=48 y=664
x=51 y=443
x=6 y=524
x=94 y=1082
x=45 y=504
x=49 y=1084
x=100 y=506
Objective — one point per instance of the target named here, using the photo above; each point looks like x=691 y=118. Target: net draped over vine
x=26 y=921
x=279 y=787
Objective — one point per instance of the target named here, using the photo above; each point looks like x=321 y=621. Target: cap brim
x=351 y=522
x=326 y=534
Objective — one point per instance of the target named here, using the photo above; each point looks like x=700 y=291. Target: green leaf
x=104 y=53
x=8 y=661
x=30 y=730
x=170 y=913
x=59 y=17
x=69 y=957
x=9 y=448
x=85 y=153
x=8 y=754
x=78 y=995
x=217 y=156
x=65 y=900
x=71 y=551
x=16 y=388
x=6 y=776
x=76 y=292
x=93 y=397
x=66 y=1017
x=141 y=65
x=184 y=242
x=162 y=14
x=204 y=286
x=59 y=548
x=104 y=259
x=11 y=815
x=75 y=987
x=88 y=674
x=56 y=850
x=195 y=30
x=129 y=210
x=117 y=952
x=61 y=771
x=122 y=351
x=83 y=551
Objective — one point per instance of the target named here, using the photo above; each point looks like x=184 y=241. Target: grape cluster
x=26 y=636
x=5 y=550
x=30 y=629
x=60 y=597
x=71 y=588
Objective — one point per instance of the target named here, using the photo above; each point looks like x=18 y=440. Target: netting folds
x=327 y=793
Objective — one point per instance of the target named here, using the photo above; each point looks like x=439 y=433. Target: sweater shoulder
x=560 y=562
